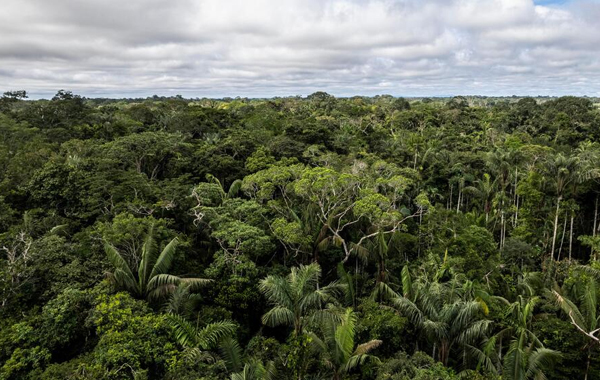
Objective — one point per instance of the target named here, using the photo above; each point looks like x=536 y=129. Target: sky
x=266 y=48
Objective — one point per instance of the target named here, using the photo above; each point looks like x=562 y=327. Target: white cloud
x=288 y=47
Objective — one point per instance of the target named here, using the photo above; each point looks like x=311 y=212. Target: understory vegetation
x=299 y=238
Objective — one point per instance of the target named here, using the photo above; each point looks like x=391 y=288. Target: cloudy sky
x=256 y=48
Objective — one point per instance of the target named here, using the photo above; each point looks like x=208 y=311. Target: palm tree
x=297 y=298
x=199 y=340
x=181 y=301
x=445 y=312
x=501 y=163
x=461 y=176
x=585 y=317
x=527 y=358
x=563 y=169
x=485 y=190
x=234 y=188
x=255 y=370
x=381 y=250
x=337 y=347
x=150 y=279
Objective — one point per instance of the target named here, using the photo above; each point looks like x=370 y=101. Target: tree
x=150 y=279
x=485 y=190
x=10 y=97
x=585 y=317
x=344 y=199
x=15 y=95
x=447 y=316
x=198 y=340
x=297 y=299
x=256 y=370
x=381 y=250
x=526 y=358
x=563 y=169
x=337 y=347
x=146 y=152
x=16 y=271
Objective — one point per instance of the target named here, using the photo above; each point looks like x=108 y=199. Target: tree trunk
x=595 y=217
x=502 y=222
x=517 y=212
x=444 y=351
x=516 y=197
x=555 y=227
x=562 y=239
x=415 y=162
x=420 y=233
x=571 y=237
x=587 y=367
x=501 y=228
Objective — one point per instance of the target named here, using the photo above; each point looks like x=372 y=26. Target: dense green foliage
x=299 y=238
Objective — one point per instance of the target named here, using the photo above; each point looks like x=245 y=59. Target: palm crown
x=151 y=278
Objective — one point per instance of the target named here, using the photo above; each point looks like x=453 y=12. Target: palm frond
x=406 y=282
x=589 y=302
x=231 y=352
x=567 y=306
x=325 y=316
x=358 y=360
x=409 y=309
x=277 y=316
x=305 y=277
x=277 y=290
x=163 y=279
x=540 y=360
x=316 y=343
x=317 y=298
x=365 y=348
x=211 y=334
x=474 y=332
x=483 y=360
x=383 y=291
x=466 y=312
x=185 y=332
x=234 y=188
x=122 y=274
x=59 y=229
x=212 y=179
x=513 y=368
x=163 y=263
x=194 y=283
x=255 y=370
x=344 y=333
x=179 y=302
x=148 y=250
x=587 y=269
x=435 y=329
x=194 y=355
x=346 y=279
x=160 y=292
x=324 y=243
x=361 y=252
